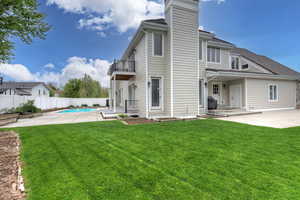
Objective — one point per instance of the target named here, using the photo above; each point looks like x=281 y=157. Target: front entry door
x=216 y=92
x=235 y=96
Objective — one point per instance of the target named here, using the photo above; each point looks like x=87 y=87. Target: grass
x=203 y=160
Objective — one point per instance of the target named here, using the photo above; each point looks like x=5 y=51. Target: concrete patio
x=58 y=118
x=275 y=119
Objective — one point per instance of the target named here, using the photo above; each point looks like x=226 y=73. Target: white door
x=216 y=92
x=235 y=96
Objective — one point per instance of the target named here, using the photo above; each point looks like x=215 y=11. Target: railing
x=131 y=106
x=122 y=66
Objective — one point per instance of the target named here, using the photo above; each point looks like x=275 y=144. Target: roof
x=266 y=62
x=21 y=85
x=157 y=21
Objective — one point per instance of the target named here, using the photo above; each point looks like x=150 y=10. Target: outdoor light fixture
x=205 y=84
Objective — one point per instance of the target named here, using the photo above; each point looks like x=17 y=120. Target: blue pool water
x=78 y=110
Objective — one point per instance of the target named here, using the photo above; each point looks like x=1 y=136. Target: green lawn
x=203 y=159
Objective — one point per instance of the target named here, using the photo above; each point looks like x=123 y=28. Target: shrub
x=84 y=105
x=28 y=107
x=96 y=105
x=123 y=116
x=71 y=106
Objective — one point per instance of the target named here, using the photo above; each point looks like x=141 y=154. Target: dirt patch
x=11 y=181
x=133 y=121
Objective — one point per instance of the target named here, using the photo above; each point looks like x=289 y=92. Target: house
x=170 y=68
x=35 y=89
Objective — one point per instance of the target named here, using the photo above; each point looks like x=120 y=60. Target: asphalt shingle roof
x=266 y=62
x=20 y=85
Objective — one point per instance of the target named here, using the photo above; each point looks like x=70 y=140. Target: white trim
x=277 y=92
x=273 y=109
x=163 y=44
x=172 y=63
x=146 y=78
x=161 y=99
x=246 y=94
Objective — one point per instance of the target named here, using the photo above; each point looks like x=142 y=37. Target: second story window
x=235 y=62
x=213 y=55
x=158 y=44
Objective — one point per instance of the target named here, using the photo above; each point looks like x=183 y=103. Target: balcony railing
x=122 y=66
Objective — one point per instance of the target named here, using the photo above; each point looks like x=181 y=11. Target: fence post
x=126 y=106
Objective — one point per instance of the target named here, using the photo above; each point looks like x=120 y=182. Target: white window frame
x=239 y=64
x=207 y=51
x=153 y=44
x=161 y=103
x=269 y=92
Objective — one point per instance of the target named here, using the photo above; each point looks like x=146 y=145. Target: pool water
x=78 y=110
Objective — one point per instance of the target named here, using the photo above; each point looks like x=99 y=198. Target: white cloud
x=76 y=67
x=49 y=66
x=101 y=15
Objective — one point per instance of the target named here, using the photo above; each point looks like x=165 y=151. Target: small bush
x=84 y=105
x=123 y=116
x=71 y=106
x=96 y=105
x=28 y=107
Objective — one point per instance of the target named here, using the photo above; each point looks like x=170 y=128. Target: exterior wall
x=252 y=66
x=140 y=78
x=42 y=89
x=258 y=94
x=157 y=68
x=184 y=61
x=298 y=93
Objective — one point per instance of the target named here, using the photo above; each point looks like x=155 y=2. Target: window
x=213 y=55
x=246 y=66
x=201 y=92
x=158 y=44
x=215 y=89
x=39 y=92
x=155 y=92
x=235 y=62
x=200 y=50
x=273 y=93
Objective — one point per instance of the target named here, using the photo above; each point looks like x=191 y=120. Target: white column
x=114 y=95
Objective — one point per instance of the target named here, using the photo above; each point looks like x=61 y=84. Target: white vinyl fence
x=44 y=103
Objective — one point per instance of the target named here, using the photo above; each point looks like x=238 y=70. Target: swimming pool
x=78 y=110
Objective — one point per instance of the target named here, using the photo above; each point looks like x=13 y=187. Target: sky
x=87 y=35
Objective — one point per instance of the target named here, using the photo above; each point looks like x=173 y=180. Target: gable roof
x=266 y=63
x=21 y=85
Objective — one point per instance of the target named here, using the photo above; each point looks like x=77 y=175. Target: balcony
x=122 y=70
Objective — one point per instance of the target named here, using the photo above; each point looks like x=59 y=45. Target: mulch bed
x=133 y=121
x=11 y=182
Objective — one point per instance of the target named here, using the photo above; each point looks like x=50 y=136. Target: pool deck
x=58 y=118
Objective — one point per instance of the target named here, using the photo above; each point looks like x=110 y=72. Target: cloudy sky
x=87 y=35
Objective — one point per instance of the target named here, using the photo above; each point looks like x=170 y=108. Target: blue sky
x=87 y=35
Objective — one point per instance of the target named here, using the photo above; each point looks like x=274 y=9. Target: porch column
x=114 y=95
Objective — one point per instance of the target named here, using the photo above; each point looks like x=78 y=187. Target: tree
x=71 y=89
x=84 y=88
x=19 y=18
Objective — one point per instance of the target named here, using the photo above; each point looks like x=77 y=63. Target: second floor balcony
x=122 y=70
